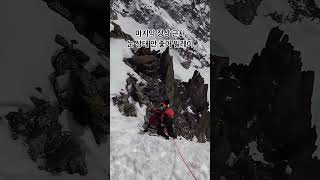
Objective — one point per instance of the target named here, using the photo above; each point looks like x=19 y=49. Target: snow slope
x=240 y=42
x=27 y=32
x=134 y=155
x=139 y=156
x=129 y=26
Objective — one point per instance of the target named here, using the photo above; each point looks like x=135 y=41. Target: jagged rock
x=77 y=90
x=203 y=130
x=190 y=14
x=68 y=156
x=118 y=33
x=167 y=74
x=146 y=64
x=88 y=17
x=162 y=84
x=39 y=128
x=88 y=106
x=243 y=11
x=146 y=51
x=125 y=107
x=197 y=91
x=58 y=8
x=195 y=15
x=100 y=72
x=135 y=90
x=69 y=51
x=268 y=101
x=113 y=15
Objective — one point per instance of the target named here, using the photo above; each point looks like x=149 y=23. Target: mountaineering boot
x=170 y=130
x=173 y=135
x=146 y=127
x=161 y=133
x=166 y=137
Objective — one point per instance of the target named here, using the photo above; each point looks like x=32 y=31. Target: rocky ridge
x=262 y=118
x=158 y=14
x=88 y=17
x=189 y=99
x=77 y=90
x=246 y=10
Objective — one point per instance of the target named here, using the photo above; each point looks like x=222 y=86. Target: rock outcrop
x=264 y=105
x=194 y=14
x=83 y=93
x=58 y=150
x=78 y=90
x=88 y=17
x=244 y=11
x=119 y=34
x=188 y=99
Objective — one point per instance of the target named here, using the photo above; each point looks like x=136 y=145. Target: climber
x=161 y=118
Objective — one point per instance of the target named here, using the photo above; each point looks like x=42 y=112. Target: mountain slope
x=28 y=32
x=138 y=155
x=240 y=46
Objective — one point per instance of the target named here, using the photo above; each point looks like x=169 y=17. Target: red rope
x=184 y=160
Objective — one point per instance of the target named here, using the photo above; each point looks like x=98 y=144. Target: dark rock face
x=100 y=72
x=146 y=64
x=304 y=9
x=88 y=17
x=46 y=141
x=267 y=102
x=88 y=105
x=78 y=91
x=244 y=11
x=197 y=91
x=190 y=14
x=194 y=15
x=82 y=92
x=188 y=99
x=118 y=33
x=126 y=107
x=167 y=74
x=194 y=117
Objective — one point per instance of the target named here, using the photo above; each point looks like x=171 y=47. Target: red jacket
x=159 y=114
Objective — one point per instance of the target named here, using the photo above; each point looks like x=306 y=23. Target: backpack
x=154 y=118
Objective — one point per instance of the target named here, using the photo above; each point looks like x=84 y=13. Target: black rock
x=268 y=101
x=118 y=33
x=42 y=133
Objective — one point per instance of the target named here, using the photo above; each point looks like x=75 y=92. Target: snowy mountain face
x=266 y=114
x=191 y=16
x=159 y=15
x=244 y=11
x=54 y=79
x=88 y=17
x=287 y=11
x=145 y=76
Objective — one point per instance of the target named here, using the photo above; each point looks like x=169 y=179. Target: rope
x=184 y=160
